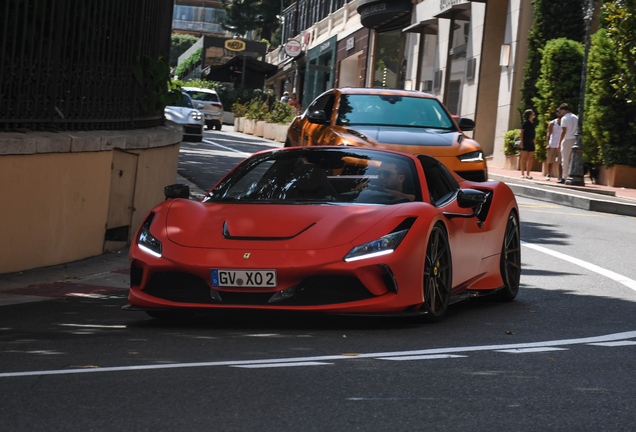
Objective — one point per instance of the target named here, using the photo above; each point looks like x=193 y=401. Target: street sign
x=235 y=45
x=292 y=48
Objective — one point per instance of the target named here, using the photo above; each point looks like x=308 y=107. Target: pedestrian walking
x=569 y=124
x=526 y=143
x=552 y=140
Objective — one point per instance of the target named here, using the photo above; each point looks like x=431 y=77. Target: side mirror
x=177 y=191
x=466 y=124
x=200 y=106
x=317 y=117
x=469 y=198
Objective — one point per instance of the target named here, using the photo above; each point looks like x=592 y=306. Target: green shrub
x=560 y=82
x=189 y=64
x=239 y=109
x=281 y=113
x=510 y=138
x=257 y=109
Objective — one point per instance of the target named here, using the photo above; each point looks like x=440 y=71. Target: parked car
x=212 y=108
x=328 y=229
x=408 y=121
x=186 y=114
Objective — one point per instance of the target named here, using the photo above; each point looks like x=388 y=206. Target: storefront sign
x=292 y=48
x=325 y=46
x=371 y=9
x=351 y=42
x=235 y=45
x=446 y=4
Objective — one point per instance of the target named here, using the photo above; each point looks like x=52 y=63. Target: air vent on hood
x=227 y=235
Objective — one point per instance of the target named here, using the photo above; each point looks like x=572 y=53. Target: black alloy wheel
x=438 y=275
x=510 y=263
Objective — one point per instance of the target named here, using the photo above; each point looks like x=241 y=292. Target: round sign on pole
x=292 y=48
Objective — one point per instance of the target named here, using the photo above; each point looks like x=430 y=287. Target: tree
x=262 y=16
x=559 y=82
x=619 y=18
x=180 y=43
x=609 y=129
x=552 y=20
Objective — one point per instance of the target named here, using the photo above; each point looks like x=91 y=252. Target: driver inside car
x=390 y=180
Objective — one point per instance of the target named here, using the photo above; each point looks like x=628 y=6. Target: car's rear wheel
x=171 y=315
x=510 y=262
x=218 y=126
x=438 y=275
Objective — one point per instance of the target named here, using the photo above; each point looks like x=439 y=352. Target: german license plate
x=243 y=278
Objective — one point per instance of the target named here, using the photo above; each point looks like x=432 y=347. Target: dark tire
x=510 y=263
x=171 y=315
x=218 y=127
x=438 y=275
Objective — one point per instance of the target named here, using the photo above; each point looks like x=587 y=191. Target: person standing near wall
x=526 y=143
x=569 y=124
x=552 y=140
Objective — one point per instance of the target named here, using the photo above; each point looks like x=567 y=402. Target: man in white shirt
x=569 y=125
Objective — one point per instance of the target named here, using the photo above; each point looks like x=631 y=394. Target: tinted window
x=185 y=102
x=392 y=110
x=313 y=175
x=442 y=186
x=324 y=103
x=203 y=96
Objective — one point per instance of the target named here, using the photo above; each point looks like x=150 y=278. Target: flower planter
x=259 y=128
x=248 y=127
x=512 y=162
x=618 y=176
x=269 y=131
x=239 y=123
x=281 y=132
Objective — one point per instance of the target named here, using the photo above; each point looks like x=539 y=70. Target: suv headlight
x=476 y=156
x=146 y=241
x=196 y=115
x=168 y=116
x=382 y=246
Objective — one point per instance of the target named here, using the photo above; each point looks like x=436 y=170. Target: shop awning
x=428 y=26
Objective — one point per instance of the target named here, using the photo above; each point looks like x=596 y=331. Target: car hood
x=180 y=114
x=407 y=135
x=229 y=226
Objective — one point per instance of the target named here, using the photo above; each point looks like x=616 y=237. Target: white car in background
x=186 y=114
x=212 y=107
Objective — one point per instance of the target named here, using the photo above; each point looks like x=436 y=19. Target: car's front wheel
x=510 y=262
x=438 y=275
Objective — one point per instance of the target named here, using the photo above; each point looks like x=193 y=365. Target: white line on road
x=446 y=351
x=423 y=357
x=226 y=148
x=532 y=350
x=278 y=365
x=629 y=283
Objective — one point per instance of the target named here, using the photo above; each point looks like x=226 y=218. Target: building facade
x=198 y=17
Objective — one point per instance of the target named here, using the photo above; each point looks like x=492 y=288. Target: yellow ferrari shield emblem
x=246 y=255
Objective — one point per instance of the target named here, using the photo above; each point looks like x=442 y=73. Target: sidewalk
x=593 y=197
x=100 y=275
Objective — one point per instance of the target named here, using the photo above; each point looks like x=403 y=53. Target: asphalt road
x=560 y=357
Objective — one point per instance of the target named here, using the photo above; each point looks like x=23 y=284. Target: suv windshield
x=185 y=102
x=310 y=176
x=392 y=110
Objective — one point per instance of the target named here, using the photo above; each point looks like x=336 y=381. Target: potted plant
x=511 y=149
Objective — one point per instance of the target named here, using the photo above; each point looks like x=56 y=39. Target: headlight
x=168 y=116
x=196 y=115
x=146 y=241
x=476 y=156
x=382 y=246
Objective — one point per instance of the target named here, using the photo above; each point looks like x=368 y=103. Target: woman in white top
x=552 y=139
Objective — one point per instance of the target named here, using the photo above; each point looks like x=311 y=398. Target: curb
x=580 y=200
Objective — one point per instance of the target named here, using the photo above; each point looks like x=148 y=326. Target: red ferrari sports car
x=329 y=229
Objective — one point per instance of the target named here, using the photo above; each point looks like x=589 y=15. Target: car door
x=466 y=237
x=312 y=133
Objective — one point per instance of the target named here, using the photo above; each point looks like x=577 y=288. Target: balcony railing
x=197 y=26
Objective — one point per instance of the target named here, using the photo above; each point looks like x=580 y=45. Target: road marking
x=94 y=326
x=532 y=350
x=227 y=148
x=569 y=214
x=629 y=283
x=614 y=344
x=423 y=357
x=278 y=365
x=425 y=352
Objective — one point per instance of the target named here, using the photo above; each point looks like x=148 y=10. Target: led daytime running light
x=383 y=246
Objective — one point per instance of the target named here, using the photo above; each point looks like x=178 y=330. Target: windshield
x=310 y=176
x=203 y=96
x=185 y=102
x=392 y=110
